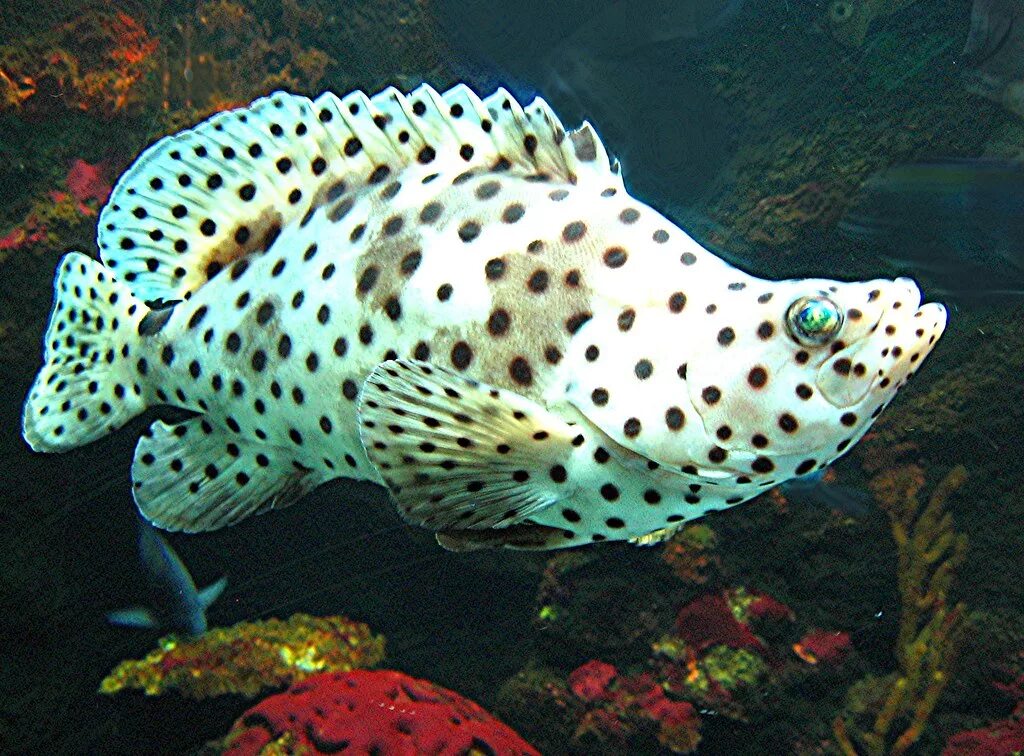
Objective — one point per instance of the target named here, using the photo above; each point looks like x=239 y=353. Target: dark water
x=751 y=125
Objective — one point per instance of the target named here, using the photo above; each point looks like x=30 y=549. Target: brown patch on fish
x=260 y=234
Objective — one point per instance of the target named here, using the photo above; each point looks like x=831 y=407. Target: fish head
x=848 y=21
x=808 y=366
x=743 y=381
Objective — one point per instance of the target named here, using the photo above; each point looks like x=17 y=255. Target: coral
x=714 y=657
x=88 y=185
x=709 y=621
x=60 y=215
x=713 y=679
x=1004 y=737
x=765 y=607
x=618 y=707
x=249 y=657
x=690 y=553
x=30 y=232
x=589 y=682
x=732 y=669
x=823 y=647
x=929 y=551
x=777 y=220
x=378 y=711
x=95 y=62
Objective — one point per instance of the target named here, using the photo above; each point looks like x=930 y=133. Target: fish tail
x=89 y=384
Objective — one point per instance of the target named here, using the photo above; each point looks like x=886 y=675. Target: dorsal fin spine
x=196 y=201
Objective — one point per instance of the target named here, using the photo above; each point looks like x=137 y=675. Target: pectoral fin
x=525 y=537
x=458 y=454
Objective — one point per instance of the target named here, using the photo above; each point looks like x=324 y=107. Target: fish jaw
x=880 y=364
x=800 y=407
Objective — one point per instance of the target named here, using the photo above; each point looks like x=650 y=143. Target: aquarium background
x=788 y=625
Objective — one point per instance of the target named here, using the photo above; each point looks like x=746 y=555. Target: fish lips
x=905 y=333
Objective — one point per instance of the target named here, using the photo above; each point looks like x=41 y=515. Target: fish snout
x=906 y=334
x=903 y=333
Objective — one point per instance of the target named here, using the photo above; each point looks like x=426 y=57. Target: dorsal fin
x=196 y=201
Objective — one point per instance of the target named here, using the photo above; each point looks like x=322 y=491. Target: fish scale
x=457 y=299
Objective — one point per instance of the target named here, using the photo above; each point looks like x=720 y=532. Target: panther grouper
x=459 y=300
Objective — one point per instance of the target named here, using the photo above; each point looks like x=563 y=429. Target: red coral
x=708 y=621
x=768 y=608
x=619 y=703
x=88 y=182
x=589 y=682
x=22 y=236
x=131 y=43
x=823 y=647
x=606 y=724
x=376 y=711
x=1002 y=738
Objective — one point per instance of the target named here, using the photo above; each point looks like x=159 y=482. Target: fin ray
x=196 y=201
x=194 y=477
x=87 y=386
x=459 y=454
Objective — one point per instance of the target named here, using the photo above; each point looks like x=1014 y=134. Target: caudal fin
x=88 y=385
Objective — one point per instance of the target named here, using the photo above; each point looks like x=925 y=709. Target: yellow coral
x=929 y=551
x=690 y=553
x=250 y=656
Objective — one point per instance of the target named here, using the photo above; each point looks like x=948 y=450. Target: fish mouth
x=911 y=330
x=882 y=362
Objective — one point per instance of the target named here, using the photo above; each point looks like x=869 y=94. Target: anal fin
x=519 y=537
x=195 y=477
x=458 y=454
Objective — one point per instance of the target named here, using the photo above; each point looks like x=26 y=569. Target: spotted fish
x=457 y=299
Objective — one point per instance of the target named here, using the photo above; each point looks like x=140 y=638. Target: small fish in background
x=848 y=21
x=177 y=606
x=958 y=224
x=820 y=489
x=622 y=28
x=994 y=52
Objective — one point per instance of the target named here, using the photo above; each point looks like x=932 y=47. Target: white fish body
x=458 y=300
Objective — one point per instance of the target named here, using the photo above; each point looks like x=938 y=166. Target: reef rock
x=249 y=657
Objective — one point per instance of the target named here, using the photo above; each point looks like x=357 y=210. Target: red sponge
x=372 y=711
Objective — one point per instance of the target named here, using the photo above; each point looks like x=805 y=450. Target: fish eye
x=813 y=321
x=840 y=12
